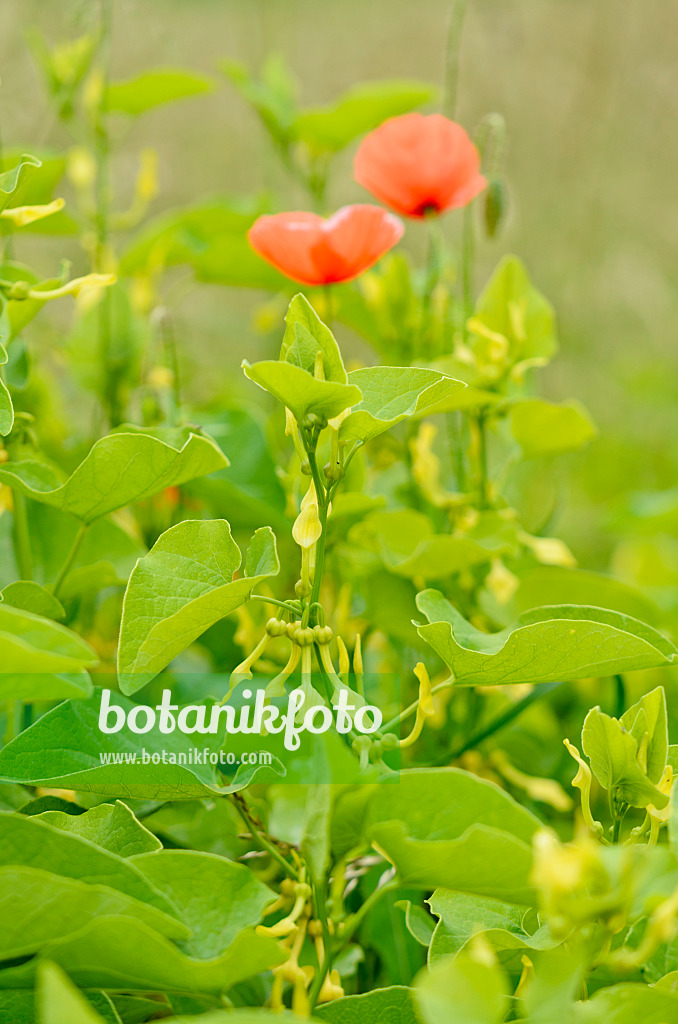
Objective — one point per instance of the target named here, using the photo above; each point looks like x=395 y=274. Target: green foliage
x=543 y=428
x=159 y=620
x=566 y=642
x=120 y=469
x=432 y=871
x=153 y=88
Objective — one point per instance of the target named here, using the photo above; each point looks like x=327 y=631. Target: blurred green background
x=588 y=89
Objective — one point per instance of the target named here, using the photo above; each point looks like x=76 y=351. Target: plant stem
x=413 y=707
x=616 y=829
x=482 y=460
x=21 y=537
x=452 y=57
x=328 y=958
x=279 y=604
x=620 y=689
x=540 y=690
x=467 y=261
x=70 y=558
x=261 y=840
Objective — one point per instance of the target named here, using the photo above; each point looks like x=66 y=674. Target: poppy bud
x=496 y=205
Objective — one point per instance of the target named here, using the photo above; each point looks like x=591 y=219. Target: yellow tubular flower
x=546 y=791
x=425 y=707
x=582 y=782
x=20 y=216
x=344 y=662
x=74 y=287
x=660 y=817
x=276 y=687
x=307 y=528
x=244 y=669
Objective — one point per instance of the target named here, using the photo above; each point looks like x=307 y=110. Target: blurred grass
x=588 y=89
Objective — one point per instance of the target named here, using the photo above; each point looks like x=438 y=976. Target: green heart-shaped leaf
x=121 y=468
x=544 y=645
x=182 y=587
x=300 y=391
x=390 y=394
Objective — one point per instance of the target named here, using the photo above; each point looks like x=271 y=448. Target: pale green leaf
x=510 y=305
x=65 y=749
x=215 y=898
x=628 y=1003
x=125 y=954
x=613 y=753
x=546 y=428
x=59 y=1001
x=182 y=587
x=153 y=87
x=300 y=391
x=32 y=597
x=460 y=915
x=31 y=643
x=111 y=826
x=47 y=686
x=305 y=336
x=38 y=907
x=30 y=842
x=390 y=394
x=315 y=835
x=544 y=645
x=446 y=827
x=121 y=468
x=463 y=990
x=392 y=1005
x=358 y=110
x=12 y=179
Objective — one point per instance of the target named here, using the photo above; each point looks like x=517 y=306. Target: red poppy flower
x=315 y=251
x=418 y=164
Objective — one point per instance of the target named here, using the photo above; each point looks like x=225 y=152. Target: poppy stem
x=329 y=305
x=467 y=261
x=452 y=54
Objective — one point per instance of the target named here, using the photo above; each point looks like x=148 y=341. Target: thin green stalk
x=616 y=829
x=21 y=537
x=452 y=54
x=400 y=718
x=540 y=690
x=70 y=558
x=328 y=958
x=292 y=609
x=620 y=694
x=483 y=483
x=262 y=841
x=467 y=262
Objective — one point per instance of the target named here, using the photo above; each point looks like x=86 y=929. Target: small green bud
x=274 y=627
x=323 y=634
x=292 y=627
x=496 y=205
x=302 y=589
x=389 y=741
x=19 y=291
x=303 y=636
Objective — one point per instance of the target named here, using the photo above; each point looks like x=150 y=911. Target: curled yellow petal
x=20 y=216
x=74 y=287
x=425 y=708
x=582 y=782
x=546 y=791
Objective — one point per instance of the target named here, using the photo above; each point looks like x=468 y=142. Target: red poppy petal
x=287 y=241
x=353 y=239
x=416 y=162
